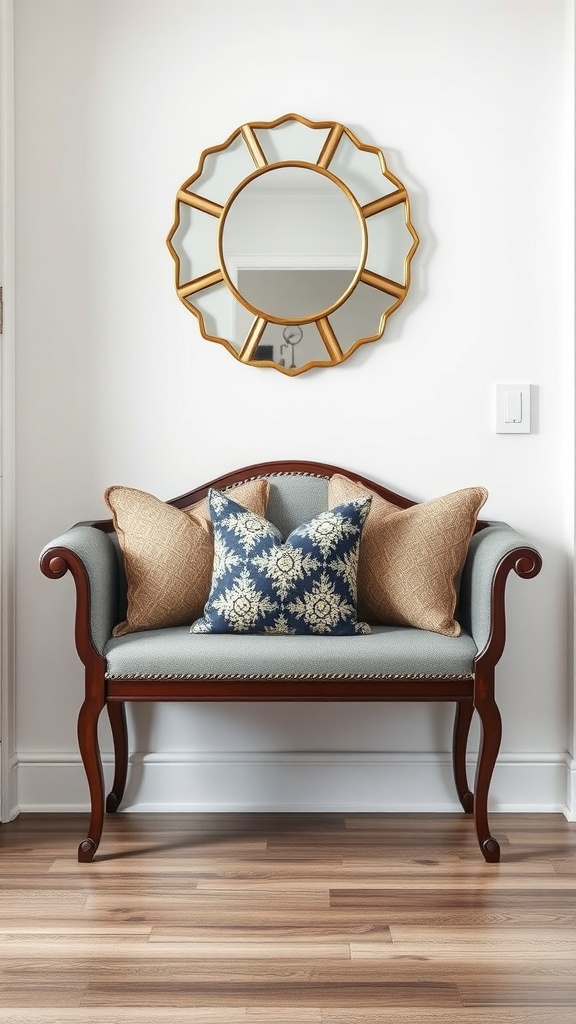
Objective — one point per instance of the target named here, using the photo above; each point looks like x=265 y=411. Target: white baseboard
x=9 y=788
x=297 y=781
x=570 y=809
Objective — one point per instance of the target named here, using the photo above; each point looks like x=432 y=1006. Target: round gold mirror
x=292 y=243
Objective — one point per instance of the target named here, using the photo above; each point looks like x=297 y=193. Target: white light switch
x=512 y=408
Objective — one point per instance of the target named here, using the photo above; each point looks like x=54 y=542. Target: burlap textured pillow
x=410 y=559
x=168 y=554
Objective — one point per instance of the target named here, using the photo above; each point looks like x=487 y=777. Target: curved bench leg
x=117 y=716
x=462 y=719
x=491 y=734
x=90 y=752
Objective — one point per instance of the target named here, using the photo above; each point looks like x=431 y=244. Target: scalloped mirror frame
x=396 y=289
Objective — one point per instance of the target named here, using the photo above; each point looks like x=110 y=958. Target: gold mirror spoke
x=254 y=147
x=199 y=283
x=330 y=146
x=251 y=344
x=330 y=340
x=383 y=284
x=200 y=203
x=385 y=202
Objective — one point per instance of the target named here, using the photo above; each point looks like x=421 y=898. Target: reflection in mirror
x=292 y=243
x=298 y=292
x=293 y=219
x=293 y=344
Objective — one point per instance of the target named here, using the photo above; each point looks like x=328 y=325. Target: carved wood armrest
x=494 y=552
x=90 y=556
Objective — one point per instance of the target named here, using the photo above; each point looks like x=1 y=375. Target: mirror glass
x=292 y=243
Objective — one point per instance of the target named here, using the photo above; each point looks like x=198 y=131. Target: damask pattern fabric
x=306 y=585
x=168 y=554
x=410 y=559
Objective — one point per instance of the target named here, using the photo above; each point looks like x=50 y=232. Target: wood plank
x=516 y=941
x=315 y=887
x=123 y=949
x=260 y=932
x=537 y=992
x=446 y=1015
x=165 y=867
x=489 y=897
x=162 y=1015
x=294 y=1015
x=40 y=994
x=223 y=993
x=254 y=901
x=474 y=950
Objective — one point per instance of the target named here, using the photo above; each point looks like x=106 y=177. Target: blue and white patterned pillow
x=305 y=585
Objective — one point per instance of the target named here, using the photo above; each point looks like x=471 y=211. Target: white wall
x=471 y=103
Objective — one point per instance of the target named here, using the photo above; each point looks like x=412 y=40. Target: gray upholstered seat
x=388 y=652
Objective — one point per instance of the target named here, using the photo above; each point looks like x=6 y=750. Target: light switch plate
x=512 y=408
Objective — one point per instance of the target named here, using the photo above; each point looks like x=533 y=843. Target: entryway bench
x=395 y=661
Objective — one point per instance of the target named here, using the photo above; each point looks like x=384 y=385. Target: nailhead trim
x=297 y=472
x=284 y=678
x=270 y=476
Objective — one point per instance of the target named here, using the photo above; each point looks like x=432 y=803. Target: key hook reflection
x=292 y=335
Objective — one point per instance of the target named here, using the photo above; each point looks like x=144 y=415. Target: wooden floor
x=286 y=919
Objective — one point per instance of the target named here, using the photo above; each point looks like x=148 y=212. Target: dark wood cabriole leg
x=90 y=752
x=463 y=717
x=491 y=734
x=117 y=716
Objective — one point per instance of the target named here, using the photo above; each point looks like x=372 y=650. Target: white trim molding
x=293 y=781
x=7 y=419
x=570 y=809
